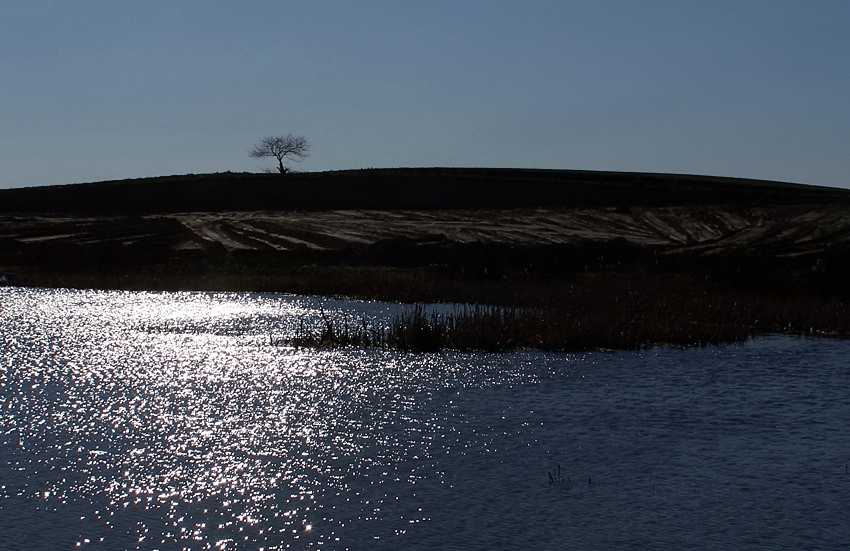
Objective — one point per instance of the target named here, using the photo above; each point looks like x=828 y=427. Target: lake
x=132 y=420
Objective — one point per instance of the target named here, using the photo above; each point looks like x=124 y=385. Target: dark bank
x=577 y=259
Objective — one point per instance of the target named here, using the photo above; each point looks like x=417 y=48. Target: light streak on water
x=173 y=421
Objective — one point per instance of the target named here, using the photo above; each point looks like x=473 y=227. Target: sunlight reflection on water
x=169 y=421
x=173 y=407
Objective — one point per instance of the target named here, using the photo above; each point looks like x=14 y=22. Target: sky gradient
x=107 y=89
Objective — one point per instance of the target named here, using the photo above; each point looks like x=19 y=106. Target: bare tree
x=281 y=148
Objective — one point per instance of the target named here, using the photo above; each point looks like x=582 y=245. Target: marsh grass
x=334 y=334
x=599 y=313
x=418 y=329
x=558 y=312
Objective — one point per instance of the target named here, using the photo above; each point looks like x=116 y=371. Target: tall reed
x=603 y=314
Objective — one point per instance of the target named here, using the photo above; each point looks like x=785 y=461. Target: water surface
x=177 y=421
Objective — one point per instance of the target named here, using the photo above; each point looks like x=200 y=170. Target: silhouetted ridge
x=406 y=188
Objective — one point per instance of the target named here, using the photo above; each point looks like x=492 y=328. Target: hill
x=593 y=259
x=324 y=232
x=392 y=189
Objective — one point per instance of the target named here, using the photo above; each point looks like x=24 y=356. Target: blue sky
x=108 y=89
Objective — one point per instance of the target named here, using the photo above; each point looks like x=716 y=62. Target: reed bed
x=420 y=329
x=608 y=313
x=544 y=310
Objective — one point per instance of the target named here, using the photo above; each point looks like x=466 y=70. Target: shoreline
x=613 y=310
x=584 y=259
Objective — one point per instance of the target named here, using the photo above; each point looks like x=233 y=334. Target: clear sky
x=109 y=89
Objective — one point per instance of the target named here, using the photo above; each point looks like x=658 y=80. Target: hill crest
x=407 y=188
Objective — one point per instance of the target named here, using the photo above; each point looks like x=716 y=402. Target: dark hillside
x=594 y=259
x=392 y=189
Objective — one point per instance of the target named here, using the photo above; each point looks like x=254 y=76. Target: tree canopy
x=282 y=148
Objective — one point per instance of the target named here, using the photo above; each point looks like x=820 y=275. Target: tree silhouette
x=281 y=148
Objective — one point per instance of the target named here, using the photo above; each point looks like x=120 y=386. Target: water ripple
x=172 y=421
